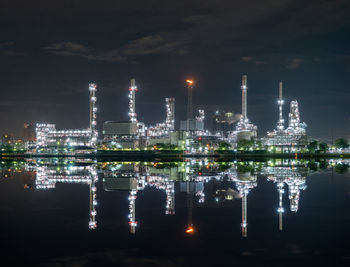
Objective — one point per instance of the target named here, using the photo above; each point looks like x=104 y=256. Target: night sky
x=51 y=50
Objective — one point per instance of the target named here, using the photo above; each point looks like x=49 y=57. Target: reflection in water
x=294 y=177
x=189 y=177
x=48 y=175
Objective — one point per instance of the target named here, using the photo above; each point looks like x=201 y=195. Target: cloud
x=3 y=44
x=68 y=49
x=246 y=58
x=161 y=43
x=260 y=62
x=154 y=44
x=295 y=63
x=9 y=52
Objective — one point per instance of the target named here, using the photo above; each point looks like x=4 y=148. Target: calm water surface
x=64 y=213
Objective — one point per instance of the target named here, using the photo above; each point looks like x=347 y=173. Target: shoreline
x=135 y=155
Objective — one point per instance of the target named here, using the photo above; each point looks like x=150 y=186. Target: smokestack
x=280 y=90
x=244 y=96
x=189 y=100
x=280 y=124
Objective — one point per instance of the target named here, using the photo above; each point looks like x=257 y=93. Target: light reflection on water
x=233 y=181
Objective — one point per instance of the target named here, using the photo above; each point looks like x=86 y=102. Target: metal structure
x=189 y=99
x=244 y=128
x=294 y=135
x=244 y=88
x=294 y=124
x=132 y=101
x=49 y=140
x=280 y=123
x=201 y=115
x=170 y=114
x=163 y=129
x=93 y=110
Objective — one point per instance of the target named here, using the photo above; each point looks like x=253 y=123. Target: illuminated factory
x=245 y=130
x=191 y=136
x=134 y=134
x=292 y=137
x=50 y=140
x=194 y=126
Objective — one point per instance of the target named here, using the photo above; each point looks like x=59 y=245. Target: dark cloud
x=7 y=52
x=5 y=44
x=11 y=53
x=246 y=58
x=154 y=44
x=54 y=49
x=148 y=45
x=295 y=63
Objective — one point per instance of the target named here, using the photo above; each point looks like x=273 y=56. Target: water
x=48 y=215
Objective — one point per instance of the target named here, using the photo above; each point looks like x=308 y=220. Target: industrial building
x=245 y=130
x=223 y=123
x=123 y=134
x=50 y=140
x=191 y=124
x=294 y=136
x=133 y=134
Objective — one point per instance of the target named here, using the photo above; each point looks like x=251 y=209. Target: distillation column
x=132 y=101
x=93 y=110
x=170 y=113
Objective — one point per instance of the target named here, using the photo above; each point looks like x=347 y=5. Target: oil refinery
x=191 y=136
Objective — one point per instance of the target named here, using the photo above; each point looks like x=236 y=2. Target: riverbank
x=171 y=154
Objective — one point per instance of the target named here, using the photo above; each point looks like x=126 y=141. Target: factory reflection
x=193 y=179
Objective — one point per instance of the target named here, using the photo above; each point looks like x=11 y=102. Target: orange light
x=190 y=82
x=189 y=230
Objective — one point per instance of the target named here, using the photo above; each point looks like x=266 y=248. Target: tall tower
x=280 y=124
x=294 y=117
x=244 y=97
x=93 y=110
x=170 y=113
x=132 y=101
x=189 y=99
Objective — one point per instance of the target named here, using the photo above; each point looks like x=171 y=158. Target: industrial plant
x=192 y=136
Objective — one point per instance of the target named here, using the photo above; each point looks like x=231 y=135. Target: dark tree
x=312 y=146
x=323 y=147
x=342 y=143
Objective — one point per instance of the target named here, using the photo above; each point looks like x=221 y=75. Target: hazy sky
x=51 y=50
